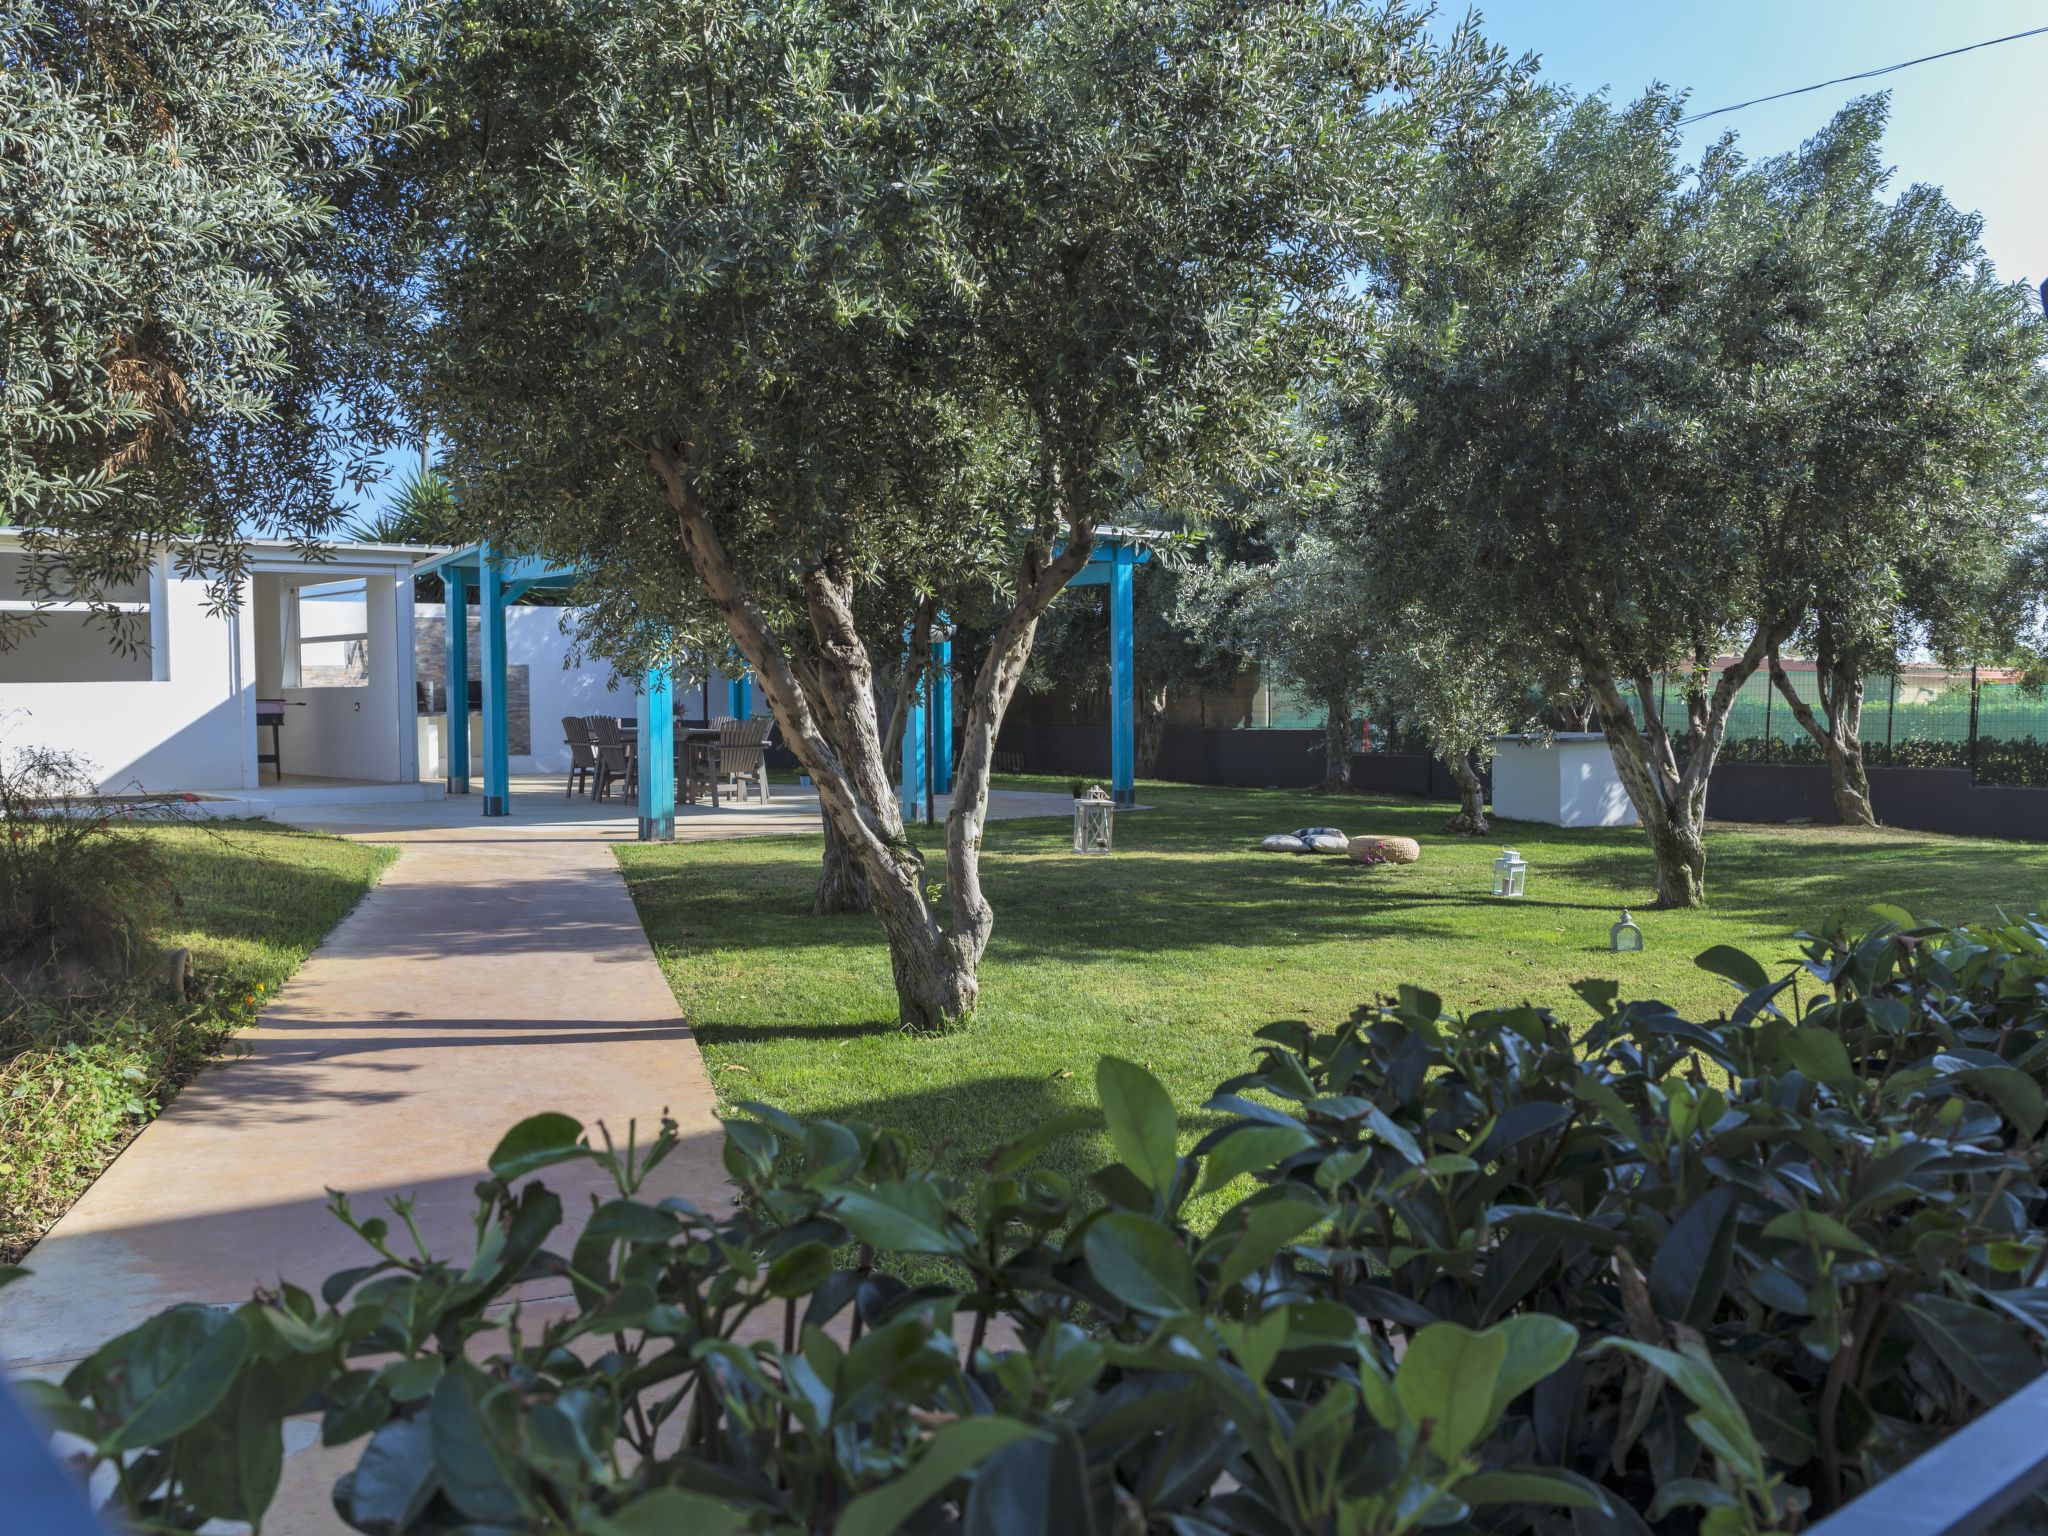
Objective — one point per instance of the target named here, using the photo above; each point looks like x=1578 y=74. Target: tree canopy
x=191 y=299
x=761 y=312
x=1665 y=415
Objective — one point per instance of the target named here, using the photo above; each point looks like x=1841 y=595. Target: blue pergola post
x=455 y=585
x=911 y=790
x=497 y=717
x=657 y=757
x=942 y=712
x=1111 y=564
x=1123 y=754
x=739 y=698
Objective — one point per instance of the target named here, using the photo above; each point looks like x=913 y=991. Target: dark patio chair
x=697 y=757
x=582 y=754
x=614 y=761
x=742 y=756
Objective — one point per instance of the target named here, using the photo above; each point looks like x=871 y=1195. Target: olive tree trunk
x=820 y=683
x=1670 y=800
x=1337 y=742
x=841 y=885
x=1838 y=682
x=1151 y=729
x=1471 y=817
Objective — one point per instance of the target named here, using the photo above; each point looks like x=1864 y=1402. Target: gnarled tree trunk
x=1151 y=729
x=822 y=692
x=1839 y=683
x=1670 y=802
x=1471 y=817
x=1337 y=742
x=842 y=887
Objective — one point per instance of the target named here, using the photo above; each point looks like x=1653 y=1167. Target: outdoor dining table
x=688 y=738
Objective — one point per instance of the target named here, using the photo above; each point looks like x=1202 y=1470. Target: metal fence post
x=1890 y=712
x=1769 y=692
x=1973 y=721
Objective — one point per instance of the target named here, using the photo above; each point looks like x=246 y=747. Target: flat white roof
x=339 y=549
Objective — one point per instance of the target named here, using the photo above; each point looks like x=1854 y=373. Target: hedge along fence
x=1486 y=1273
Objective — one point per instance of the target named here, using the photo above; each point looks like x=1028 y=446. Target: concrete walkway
x=498 y=970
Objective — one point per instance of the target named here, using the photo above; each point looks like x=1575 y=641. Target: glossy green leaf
x=395 y=1479
x=1690 y=1271
x=904 y=1216
x=476 y=1453
x=1021 y=1153
x=950 y=1454
x=1251 y=1149
x=1138 y=1262
x=1033 y=1487
x=1986 y=1353
x=1451 y=1376
x=1142 y=1125
x=1734 y=964
x=537 y=1142
x=163 y=1377
x=671 y=1512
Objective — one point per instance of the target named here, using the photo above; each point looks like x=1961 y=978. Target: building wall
x=351 y=732
x=540 y=685
x=182 y=731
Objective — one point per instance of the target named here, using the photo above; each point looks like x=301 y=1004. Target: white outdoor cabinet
x=1567 y=780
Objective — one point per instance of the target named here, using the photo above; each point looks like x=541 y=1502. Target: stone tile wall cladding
x=430 y=649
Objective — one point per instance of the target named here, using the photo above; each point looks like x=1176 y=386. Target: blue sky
x=1976 y=125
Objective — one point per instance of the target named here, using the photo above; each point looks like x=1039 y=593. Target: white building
x=191 y=706
x=332 y=652
x=1566 y=779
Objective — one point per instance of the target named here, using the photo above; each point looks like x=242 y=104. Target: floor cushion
x=1385 y=850
x=1284 y=842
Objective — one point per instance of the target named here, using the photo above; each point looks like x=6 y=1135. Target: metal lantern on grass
x=1510 y=872
x=1094 y=814
x=1625 y=936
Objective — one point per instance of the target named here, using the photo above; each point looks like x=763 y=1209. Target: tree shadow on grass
x=713 y=1033
x=1185 y=880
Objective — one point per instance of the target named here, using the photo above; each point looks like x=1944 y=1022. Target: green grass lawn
x=253 y=899
x=1175 y=949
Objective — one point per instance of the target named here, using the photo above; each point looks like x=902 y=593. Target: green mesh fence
x=1920 y=718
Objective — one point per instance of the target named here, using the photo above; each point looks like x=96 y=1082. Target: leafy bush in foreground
x=1665 y=1275
x=77 y=889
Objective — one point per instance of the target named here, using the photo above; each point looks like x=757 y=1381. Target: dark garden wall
x=1920 y=799
x=1258 y=759
x=1187 y=754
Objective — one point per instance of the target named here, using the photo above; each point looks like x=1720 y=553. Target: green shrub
x=1486 y=1274
x=77 y=890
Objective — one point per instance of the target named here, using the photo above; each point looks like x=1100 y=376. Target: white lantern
x=1509 y=873
x=1093 y=814
x=1625 y=936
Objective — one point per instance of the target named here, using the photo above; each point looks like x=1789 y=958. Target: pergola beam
x=500 y=580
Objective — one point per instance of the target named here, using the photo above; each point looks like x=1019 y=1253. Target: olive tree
x=1916 y=424
x=1627 y=401
x=193 y=285
x=1299 y=614
x=756 y=308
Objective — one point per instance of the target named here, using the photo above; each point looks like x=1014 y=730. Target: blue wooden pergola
x=1112 y=563
x=499 y=580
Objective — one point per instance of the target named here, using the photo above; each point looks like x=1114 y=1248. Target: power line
x=1868 y=74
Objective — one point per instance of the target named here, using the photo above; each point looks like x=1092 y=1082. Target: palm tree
x=425 y=512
